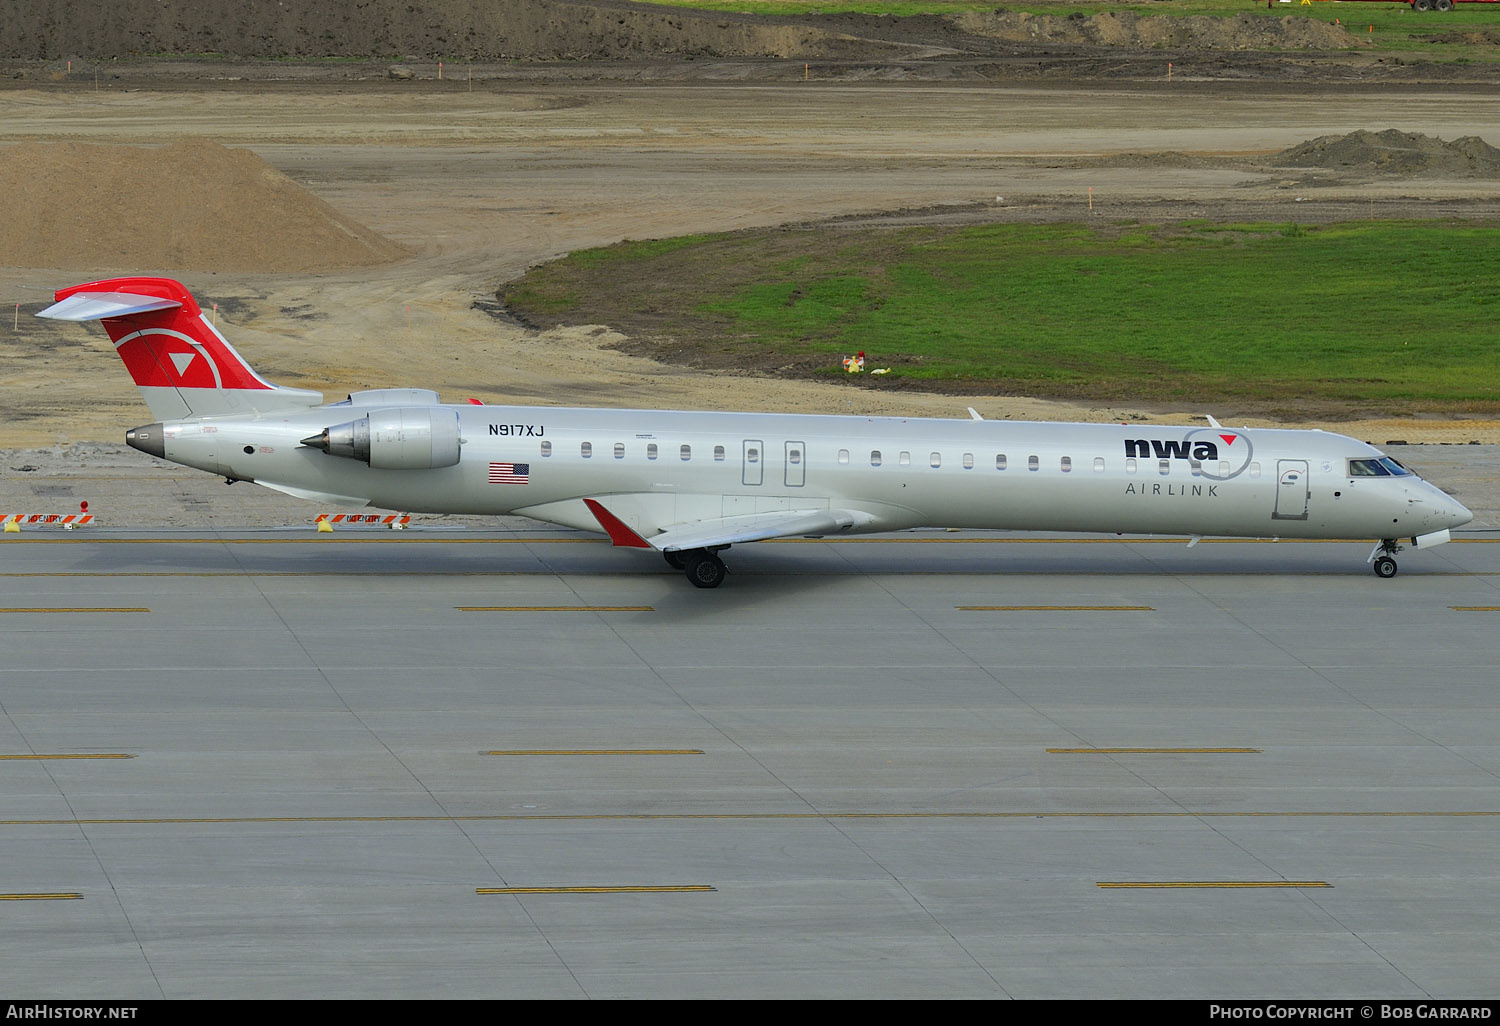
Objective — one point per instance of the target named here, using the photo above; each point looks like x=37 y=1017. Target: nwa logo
x=1213 y=452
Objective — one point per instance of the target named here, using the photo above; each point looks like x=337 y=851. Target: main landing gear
x=703 y=567
x=1380 y=557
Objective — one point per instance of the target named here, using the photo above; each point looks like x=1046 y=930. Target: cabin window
x=718 y=454
x=1033 y=463
x=651 y=452
x=968 y=461
x=1130 y=466
x=904 y=459
x=1223 y=468
x=687 y=453
x=619 y=450
x=1098 y=464
x=752 y=454
x=1165 y=466
x=1196 y=467
x=586 y=450
x=1067 y=464
x=843 y=456
x=936 y=460
x=874 y=457
x=1254 y=469
x=999 y=461
x=546 y=449
x=794 y=456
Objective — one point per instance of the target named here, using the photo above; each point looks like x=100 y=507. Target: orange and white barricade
x=67 y=521
x=393 y=521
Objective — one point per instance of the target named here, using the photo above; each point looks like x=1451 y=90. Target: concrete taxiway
x=522 y=764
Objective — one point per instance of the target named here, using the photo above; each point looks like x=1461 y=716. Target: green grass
x=1399 y=315
x=1387 y=27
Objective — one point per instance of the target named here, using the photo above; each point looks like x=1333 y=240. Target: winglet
x=619 y=532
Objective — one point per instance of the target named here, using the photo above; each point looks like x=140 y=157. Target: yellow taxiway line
x=602 y=889
x=1059 y=609
x=74 y=609
x=597 y=751
x=1153 y=751
x=555 y=609
x=1152 y=884
x=59 y=896
x=77 y=755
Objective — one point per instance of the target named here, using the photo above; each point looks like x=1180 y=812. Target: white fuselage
x=663 y=467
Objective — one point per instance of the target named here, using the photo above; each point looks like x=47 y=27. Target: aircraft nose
x=1458 y=514
x=1447 y=512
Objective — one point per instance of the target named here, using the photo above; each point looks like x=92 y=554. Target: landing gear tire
x=1381 y=557
x=704 y=569
x=675 y=560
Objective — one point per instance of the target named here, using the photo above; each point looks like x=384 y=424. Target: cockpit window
x=1382 y=467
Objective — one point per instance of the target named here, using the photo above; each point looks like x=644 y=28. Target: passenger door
x=1291 y=490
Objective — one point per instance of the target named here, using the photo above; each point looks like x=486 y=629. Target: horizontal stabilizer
x=96 y=306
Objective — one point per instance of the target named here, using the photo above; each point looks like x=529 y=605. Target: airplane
x=691 y=484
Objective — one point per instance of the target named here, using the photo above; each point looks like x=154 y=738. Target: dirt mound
x=188 y=206
x=1396 y=153
x=1242 y=32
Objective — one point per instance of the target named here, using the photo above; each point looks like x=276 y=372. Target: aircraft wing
x=704 y=534
x=788 y=523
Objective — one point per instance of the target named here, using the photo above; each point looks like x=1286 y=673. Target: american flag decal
x=510 y=473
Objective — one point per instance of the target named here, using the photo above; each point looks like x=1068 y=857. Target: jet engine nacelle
x=399 y=439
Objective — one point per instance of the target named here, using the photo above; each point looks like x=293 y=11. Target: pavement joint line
x=602 y=889
x=743 y=816
x=997 y=571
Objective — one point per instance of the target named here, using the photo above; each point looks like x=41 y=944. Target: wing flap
x=703 y=534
